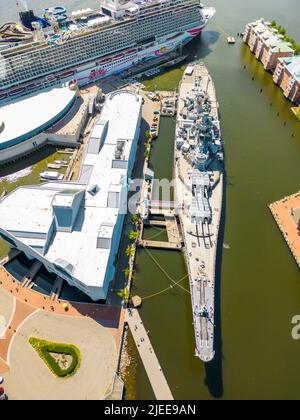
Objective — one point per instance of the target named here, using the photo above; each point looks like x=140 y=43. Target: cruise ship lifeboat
x=67 y=74
x=33 y=85
x=16 y=91
x=105 y=60
x=129 y=52
x=121 y=55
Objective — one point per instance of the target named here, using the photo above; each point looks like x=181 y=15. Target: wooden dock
x=159 y=245
x=174 y=237
x=153 y=369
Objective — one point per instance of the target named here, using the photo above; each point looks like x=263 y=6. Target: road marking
x=22 y=323
x=2 y=334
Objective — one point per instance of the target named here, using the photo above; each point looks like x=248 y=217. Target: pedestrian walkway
x=154 y=371
x=160 y=244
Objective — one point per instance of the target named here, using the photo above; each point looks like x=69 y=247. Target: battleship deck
x=200 y=240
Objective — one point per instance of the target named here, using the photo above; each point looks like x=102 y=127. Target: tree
x=147 y=151
x=281 y=30
x=126 y=272
x=148 y=134
x=135 y=219
x=124 y=294
x=133 y=235
x=273 y=23
x=129 y=251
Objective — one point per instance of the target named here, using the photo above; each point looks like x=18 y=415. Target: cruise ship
x=87 y=45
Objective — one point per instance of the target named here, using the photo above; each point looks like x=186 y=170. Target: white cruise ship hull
x=106 y=66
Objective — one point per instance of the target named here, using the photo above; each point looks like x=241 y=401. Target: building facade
x=287 y=76
x=267 y=45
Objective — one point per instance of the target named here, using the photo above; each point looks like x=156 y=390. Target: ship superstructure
x=88 y=45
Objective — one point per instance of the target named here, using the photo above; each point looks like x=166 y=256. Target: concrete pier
x=286 y=213
x=154 y=371
x=160 y=245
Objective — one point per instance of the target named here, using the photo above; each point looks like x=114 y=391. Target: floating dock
x=198 y=173
x=286 y=213
x=231 y=40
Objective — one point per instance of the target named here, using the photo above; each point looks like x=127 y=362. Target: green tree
x=148 y=134
x=282 y=31
x=126 y=272
x=135 y=219
x=124 y=294
x=147 y=151
x=129 y=251
x=133 y=235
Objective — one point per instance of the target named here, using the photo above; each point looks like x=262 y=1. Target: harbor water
x=259 y=280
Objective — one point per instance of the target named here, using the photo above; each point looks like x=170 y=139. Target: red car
x=2 y=394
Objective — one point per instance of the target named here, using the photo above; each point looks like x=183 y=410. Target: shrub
x=133 y=235
x=44 y=348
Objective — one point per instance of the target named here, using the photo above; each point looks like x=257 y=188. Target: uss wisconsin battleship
x=199 y=186
x=87 y=45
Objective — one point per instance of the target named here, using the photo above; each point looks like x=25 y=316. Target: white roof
x=44 y=107
x=29 y=209
x=189 y=70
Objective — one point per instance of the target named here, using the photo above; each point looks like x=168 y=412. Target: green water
x=260 y=285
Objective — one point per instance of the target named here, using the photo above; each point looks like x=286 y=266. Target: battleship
x=87 y=45
x=199 y=188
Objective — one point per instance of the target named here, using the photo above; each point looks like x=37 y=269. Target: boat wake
x=226 y=246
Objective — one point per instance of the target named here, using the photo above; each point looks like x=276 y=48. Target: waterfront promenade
x=89 y=326
x=154 y=371
x=286 y=213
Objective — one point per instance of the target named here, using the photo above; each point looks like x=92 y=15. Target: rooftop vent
x=119 y=149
